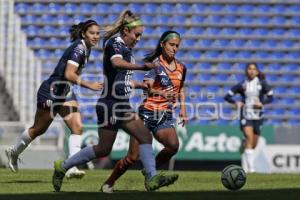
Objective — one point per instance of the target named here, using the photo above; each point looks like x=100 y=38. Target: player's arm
x=182 y=113
x=138 y=85
x=230 y=94
x=118 y=62
x=72 y=76
x=267 y=89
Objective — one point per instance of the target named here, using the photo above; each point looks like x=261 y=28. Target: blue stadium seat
x=181 y=30
x=229 y=19
x=38 y=8
x=53 y=41
x=213 y=31
x=204 y=77
x=28 y=18
x=86 y=7
x=111 y=18
x=160 y=29
x=42 y=53
x=270 y=43
x=229 y=54
x=147 y=19
x=222 y=77
x=288 y=101
x=162 y=19
x=224 y=66
x=262 y=20
x=280 y=90
x=57 y=53
x=296 y=90
x=291 y=67
x=102 y=7
x=229 y=31
x=238 y=42
x=48 y=30
x=167 y=8
x=213 y=19
x=212 y=54
x=294 y=32
x=70 y=8
x=286 y=43
x=253 y=43
x=63 y=30
x=177 y=19
x=49 y=65
x=216 y=7
x=247 y=8
x=261 y=32
x=279 y=8
x=293 y=8
x=263 y=8
x=280 y=20
x=261 y=54
x=274 y=67
x=197 y=19
x=272 y=78
x=212 y=88
x=117 y=8
x=135 y=7
x=278 y=31
x=221 y=43
x=205 y=43
x=21 y=7
x=244 y=54
x=55 y=7
x=151 y=8
x=232 y=8
x=198 y=7
x=77 y=18
x=245 y=19
x=193 y=54
x=278 y=55
x=195 y=31
x=245 y=31
x=45 y=18
x=295 y=20
x=31 y=30
x=293 y=55
x=182 y=7
x=63 y=19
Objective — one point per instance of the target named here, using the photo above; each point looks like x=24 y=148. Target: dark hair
x=125 y=18
x=76 y=30
x=158 y=50
x=260 y=75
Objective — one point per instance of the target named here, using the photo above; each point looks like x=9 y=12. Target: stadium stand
x=218 y=39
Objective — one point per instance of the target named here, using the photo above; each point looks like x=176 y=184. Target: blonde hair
x=125 y=18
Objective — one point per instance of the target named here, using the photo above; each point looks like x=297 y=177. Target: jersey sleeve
x=77 y=56
x=268 y=91
x=150 y=75
x=115 y=49
x=234 y=90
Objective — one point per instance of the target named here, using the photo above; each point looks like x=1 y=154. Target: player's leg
x=249 y=148
x=122 y=166
x=167 y=137
x=136 y=128
x=43 y=119
x=72 y=117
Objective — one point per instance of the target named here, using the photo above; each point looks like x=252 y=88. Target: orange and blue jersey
x=165 y=80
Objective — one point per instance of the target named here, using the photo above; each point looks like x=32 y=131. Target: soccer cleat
x=160 y=180
x=58 y=175
x=74 y=172
x=12 y=159
x=105 y=188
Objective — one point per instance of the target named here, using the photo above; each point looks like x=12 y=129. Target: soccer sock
x=74 y=144
x=83 y=156
x=164 y=156
x=147 y=158
x=22 y=143
x=249 y=154
x=119 y=169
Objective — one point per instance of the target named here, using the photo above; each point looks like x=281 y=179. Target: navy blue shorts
x=256 y=124
x=46 y=101
x=156 y=121
x=111 y=113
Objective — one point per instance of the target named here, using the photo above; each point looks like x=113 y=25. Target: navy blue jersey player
x=255 y=94
x=113 y=108
x=55 y=95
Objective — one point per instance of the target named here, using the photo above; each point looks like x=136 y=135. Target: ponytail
x=124 y=20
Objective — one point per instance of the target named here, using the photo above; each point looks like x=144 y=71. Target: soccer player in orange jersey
x=165 y=86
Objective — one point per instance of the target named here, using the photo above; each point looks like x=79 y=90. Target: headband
x=171 y=35
x=134 y=23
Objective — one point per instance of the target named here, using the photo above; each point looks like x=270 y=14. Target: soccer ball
x=233 y=177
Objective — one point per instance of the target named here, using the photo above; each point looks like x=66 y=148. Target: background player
x=253 y=90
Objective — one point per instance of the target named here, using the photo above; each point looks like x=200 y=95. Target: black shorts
x=111 y=113
x=256 y=124
x=46 y=101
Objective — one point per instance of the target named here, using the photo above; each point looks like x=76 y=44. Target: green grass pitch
x=36 y=185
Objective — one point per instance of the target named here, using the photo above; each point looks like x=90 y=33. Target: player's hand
x=258 y=105
x=96 y=86
x=183 y=118
x=148 y=66
x=239 y=104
